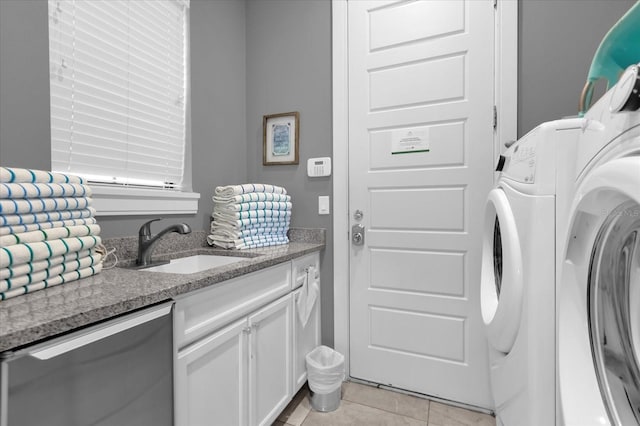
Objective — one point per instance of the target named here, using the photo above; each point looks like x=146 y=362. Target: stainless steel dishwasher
x=117 y=373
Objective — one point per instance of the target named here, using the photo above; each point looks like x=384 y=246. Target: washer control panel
x=522 y=156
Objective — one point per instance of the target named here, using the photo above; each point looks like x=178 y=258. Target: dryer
x=599 y=268
x=518 y=273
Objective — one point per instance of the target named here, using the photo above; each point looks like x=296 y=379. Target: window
x=118 y=73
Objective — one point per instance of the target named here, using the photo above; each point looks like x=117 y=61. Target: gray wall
x=556 y=42
x=289 y=69
x=24 y=84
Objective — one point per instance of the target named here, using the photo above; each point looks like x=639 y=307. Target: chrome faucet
x=146 y=241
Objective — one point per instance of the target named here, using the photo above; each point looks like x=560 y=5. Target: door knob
x=357 y=234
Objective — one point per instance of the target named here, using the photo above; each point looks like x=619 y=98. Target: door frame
x=505 y=98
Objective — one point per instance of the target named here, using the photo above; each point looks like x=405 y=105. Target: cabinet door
x=270 y=361
x=305 y=339
x=211 y=379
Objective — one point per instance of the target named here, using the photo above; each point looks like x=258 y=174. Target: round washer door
x=599 y=301
x=613 y=287
x=501 y=280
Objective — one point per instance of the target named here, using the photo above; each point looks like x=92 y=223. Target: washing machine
x=518 y=273
x=598 y=298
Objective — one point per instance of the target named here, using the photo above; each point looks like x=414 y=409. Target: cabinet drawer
x=206 y=310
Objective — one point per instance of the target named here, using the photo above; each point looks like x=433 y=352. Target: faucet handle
x=145 y=229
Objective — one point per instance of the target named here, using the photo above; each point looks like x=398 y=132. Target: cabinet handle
x=246 y=330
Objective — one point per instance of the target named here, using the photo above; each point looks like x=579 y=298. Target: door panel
x=271 y=361
x=421 y=20
x=420 y=168
x=211 y=379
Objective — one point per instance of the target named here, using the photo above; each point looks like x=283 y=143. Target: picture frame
x=280 y=138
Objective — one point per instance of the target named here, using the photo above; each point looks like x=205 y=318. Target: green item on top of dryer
x=619 y=48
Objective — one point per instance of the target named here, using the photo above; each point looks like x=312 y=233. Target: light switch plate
x=323 y=204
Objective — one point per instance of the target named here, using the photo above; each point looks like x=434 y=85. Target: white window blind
x=118 y=90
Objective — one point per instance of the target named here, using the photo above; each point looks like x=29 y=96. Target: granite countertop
x=42 y=314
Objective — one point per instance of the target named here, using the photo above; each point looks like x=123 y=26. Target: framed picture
x=280 y=138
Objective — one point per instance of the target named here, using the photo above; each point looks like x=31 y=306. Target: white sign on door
x=409 y=141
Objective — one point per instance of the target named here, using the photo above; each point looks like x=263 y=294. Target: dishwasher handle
x=99 y=332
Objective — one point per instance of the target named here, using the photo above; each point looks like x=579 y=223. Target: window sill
x=122 y=201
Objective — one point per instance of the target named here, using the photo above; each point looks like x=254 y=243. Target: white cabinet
x=270 y=361
x=211 y=379
x=240 y=347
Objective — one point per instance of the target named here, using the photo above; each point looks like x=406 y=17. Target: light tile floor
x=368 y=405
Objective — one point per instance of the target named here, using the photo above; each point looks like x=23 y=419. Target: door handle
x=357 y=234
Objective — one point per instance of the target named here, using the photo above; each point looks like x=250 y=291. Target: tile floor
x=367 y=405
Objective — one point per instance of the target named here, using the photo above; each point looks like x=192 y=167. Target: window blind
x=118 y=90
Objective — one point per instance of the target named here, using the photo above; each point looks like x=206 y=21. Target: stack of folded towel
x=48 y=234
x=249 y=216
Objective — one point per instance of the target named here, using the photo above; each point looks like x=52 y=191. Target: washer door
x=614 y=288
x=501 y=281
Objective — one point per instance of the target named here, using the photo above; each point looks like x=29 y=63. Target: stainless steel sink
x=195 y=263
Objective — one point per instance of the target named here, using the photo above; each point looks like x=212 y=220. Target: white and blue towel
x=19 y=229
x=48 y=273
x=51 y=282
x=41 y=265
x=231 y=190
x=48 y=233
x=25 y=253
x=17 y=175
x=43 y=190
x=253 y=241
x=12 y=206
x=252 y=196
x=254 y=205
x=250 y=215
x=28 y=218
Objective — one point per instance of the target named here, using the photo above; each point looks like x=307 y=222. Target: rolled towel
x=233 y=233
x=12 y=174
x=37 y=205
x=49 y=234
x=250 y=214
x=242 y=244
x=41 y=265
x=254 y=205
x=44 y=190
x=27 y=218
x=252 y=196
x=45 y=274
x=24 y=253
x=255 y=222
x=57 y=280
x=18 y=229
x=231 y=190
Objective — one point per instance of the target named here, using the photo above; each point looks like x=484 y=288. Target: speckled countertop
x=56 y=310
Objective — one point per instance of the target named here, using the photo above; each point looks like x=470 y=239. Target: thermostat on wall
x=319 y=167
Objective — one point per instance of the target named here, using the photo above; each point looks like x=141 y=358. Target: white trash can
x=325 y=372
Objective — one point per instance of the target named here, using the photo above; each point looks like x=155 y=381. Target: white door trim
x=341 y=240
x=506 y=84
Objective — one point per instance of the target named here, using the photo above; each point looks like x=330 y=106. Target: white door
x=421 y=79
x=270 y=368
